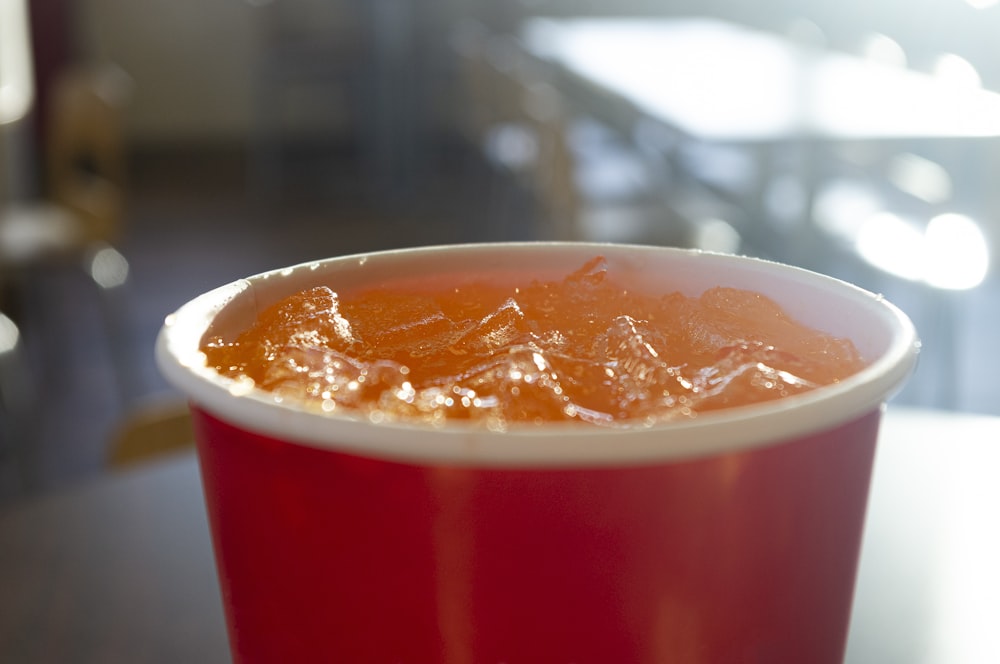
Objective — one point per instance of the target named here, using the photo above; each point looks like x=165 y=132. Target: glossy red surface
x=325 y=556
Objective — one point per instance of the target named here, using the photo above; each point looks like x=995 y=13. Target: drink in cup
x=362 y=534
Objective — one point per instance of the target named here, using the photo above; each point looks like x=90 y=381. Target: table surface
x=121 y=569
x=719 y=81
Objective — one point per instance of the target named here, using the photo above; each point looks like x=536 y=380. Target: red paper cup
x=731 y=537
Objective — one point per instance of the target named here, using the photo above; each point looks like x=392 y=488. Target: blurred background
x=150 y=151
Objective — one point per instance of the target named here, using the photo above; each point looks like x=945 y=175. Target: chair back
x=555 y=174
x=150 y=431
x=86 y=160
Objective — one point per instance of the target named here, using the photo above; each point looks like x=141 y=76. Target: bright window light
x=920 y=177
x=109 y=268
x=884 y=49
x=9 y=335
x=957 y=70
x=981 y=4
x=893 y=245
x=17 y=88
x=956 y=251
x=950 y=253
x=841 y=207
x=717 y=235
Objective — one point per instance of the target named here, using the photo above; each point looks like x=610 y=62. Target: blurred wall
x=189 y=59
x=193 y=61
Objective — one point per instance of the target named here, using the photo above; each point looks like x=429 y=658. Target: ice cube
x=750 y=372
x=505 y=327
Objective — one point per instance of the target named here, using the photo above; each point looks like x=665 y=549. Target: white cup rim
x=551 y=445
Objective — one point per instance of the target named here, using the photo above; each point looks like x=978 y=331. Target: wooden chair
x=85 y=174
x=591 y=183
x=490 y=120
x=151 y=431
x=80 y=217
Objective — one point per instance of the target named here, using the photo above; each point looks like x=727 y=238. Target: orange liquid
x=583 y=348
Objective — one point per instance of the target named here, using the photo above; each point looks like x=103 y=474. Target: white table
x=929 y=582
x=717 y=81
x=121 y=569
x=746 y=111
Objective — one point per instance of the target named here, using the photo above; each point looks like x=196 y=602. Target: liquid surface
x=583 y=348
